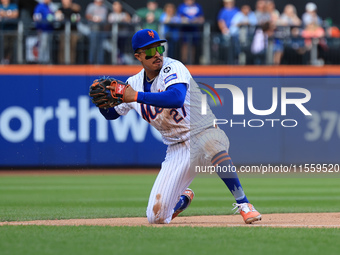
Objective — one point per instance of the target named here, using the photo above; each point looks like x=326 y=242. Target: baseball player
x=166 y=96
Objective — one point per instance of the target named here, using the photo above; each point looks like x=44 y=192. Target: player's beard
x=160 y=65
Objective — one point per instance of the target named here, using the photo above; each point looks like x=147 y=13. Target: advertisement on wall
x=268 y=119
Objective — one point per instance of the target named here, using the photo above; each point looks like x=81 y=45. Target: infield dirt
x=286 y=220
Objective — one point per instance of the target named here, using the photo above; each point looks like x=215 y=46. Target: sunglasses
x=150 y=53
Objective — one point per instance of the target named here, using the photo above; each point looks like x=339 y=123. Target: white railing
x=212 y=47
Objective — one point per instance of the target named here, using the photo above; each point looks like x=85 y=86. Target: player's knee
x=156 y=220
x=157 y=216
x=153 y=220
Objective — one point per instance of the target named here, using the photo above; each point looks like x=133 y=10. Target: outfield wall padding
x=48 y=120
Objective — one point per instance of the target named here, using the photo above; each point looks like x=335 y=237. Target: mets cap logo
x=151 y=33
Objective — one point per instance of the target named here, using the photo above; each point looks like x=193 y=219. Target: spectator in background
x=262 y=16
x=288 y=24
x=311 y=16
x=150 y=15
x=289 y=17
x=8 y=15
x=224 y=18
x=43 y=17
x=118 y=15
x=96 y=14
x=260 y=43
x=333 y=32
x=296 y=49
x=225 y=15
x=170 y=30
x=8 y=11
x=245 y=17
x=312 y=30
x=312 y=24
x=68 y=12
x=191 y=14
x=272 y=11
x=275 y=36
x=26 y=10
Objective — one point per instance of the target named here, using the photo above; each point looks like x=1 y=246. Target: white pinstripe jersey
x=175 y=125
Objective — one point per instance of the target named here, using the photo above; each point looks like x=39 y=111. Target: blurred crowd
x=245 y=36
x=282 y=32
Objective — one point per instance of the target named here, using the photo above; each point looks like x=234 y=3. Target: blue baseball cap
x=145 y=37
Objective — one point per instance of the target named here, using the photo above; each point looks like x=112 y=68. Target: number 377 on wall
x=322 y=125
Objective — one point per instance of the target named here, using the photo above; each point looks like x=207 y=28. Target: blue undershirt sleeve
x=173 y=97
x=109 y=114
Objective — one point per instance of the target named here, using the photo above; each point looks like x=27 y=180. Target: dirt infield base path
x=287 y=220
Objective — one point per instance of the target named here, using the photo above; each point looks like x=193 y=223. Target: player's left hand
x=108 y=92
x=129 y=94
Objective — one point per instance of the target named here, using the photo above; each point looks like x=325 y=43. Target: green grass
x=100 y=196
x=83 y=196
x=148 y=240
x=93 y=196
